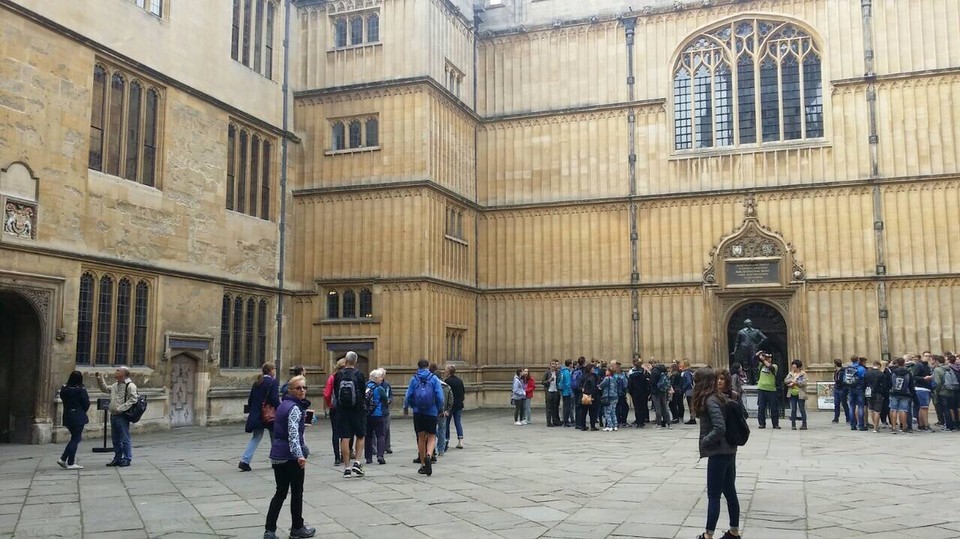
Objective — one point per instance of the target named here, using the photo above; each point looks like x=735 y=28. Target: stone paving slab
x=510 y=482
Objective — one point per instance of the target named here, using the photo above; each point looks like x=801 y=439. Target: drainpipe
x=283 y=181
x=630 y=26
x=866 y=9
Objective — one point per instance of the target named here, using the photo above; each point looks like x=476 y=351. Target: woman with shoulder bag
x=708 y=405
x=262 y=404
x=76 y=402
x=796 y=382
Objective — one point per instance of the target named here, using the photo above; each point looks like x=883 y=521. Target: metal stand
x=103 y=404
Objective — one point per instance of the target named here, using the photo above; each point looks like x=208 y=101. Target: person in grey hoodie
x=517 y=397
x=721 y=455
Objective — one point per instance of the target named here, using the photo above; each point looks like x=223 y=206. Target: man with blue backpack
x=853 y=375
x=425 y=396
x=576 y=383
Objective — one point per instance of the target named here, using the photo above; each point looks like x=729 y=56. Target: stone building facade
x=493 y=184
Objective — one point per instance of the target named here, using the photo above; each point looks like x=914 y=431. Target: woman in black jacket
x=76 y=402
x=265 y=391
x=708 y=405
x=589 y=386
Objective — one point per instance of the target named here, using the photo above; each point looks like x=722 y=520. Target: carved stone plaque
x=753 y=272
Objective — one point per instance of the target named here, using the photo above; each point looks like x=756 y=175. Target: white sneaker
x=62 y=463
x=74 y=467
x=525 y=422
x=518 y=423
x=614 y=428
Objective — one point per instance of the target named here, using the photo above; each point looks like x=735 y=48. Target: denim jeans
x=289 y=476
x=455 y=416
x=254 y=443
x=120 y=434
x=386 y=433
x=70 y=452
x=767 y=400
x=721 y=479
x=441 y=434
x=858 y=416
x=526 y=410
x=797 y=404
x=840 y=401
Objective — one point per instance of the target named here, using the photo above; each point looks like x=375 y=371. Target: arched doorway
x=20 y=351
x=771 y=323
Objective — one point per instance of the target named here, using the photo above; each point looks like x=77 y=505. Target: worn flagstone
x=510 y=482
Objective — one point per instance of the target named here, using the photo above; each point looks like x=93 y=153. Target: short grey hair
x=351 y=358
x=377 y=373
x=124 y=368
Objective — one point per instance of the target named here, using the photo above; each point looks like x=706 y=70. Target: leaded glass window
x=726 y=75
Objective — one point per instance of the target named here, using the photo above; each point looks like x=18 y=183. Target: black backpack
x=135 y=412
x=900 y=384
x=738 y=431
x=347 y=391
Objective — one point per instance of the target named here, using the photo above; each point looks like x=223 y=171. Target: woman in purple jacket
x=288 y=455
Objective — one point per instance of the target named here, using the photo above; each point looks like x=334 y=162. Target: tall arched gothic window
x=723 y=77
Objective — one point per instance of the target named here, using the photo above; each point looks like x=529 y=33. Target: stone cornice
x=317 y=192
x=147 y=269
x=950 y=74
x=548 y=116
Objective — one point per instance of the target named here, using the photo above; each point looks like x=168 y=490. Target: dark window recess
x=85 y=319
x=366 y=303
x=333 y=305
x=683 y=128
x=349 y=304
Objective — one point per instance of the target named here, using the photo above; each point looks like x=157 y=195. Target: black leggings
x=518 y=410
x=289 y=476
x=582 y=416
x=721 y=479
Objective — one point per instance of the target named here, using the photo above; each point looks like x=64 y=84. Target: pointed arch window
x=724 y=76
x=366 y=303
x=373 y=28
x=333 y=305
x=349 y=304
x=372 y=132
x=243 y=331
x=340 y=32
x=249 y=175
x=112 y=322
x=339 y=140
x=124 y=126
x=85 y=319
x=356 y=30
x=355 y=137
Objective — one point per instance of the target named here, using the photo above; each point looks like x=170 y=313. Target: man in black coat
x=638 y=386
x=456 y=386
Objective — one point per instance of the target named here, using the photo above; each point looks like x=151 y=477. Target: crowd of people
x=898 y=396
x=595 y=395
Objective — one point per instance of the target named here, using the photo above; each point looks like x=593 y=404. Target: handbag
x=586 y=399
x=267 y=413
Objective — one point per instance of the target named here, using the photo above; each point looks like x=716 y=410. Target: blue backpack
x=423 y=395
x=576 y=381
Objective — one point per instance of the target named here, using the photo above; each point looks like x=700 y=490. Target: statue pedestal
x=749 y=399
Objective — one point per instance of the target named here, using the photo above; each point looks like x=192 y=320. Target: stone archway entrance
x=771 y=323
x=20 y=367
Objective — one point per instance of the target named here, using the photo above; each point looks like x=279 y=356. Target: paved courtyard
x=512 y=482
